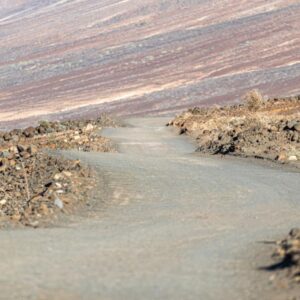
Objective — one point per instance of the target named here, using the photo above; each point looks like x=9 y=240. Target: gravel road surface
x=168 y=224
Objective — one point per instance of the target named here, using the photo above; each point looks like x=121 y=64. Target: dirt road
x=168 y=225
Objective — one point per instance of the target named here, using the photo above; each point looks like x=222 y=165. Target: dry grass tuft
x=254 y=100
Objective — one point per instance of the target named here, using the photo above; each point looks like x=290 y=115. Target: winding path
x=169 y=225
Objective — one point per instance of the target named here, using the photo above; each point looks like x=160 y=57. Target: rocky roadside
x=73 y=134
x=268 y=129
x=35 y=185
x=286 y=256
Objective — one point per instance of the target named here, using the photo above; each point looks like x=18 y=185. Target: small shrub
x=44 y=123
x=253 y=100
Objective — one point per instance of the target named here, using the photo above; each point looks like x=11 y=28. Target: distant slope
x=143 y=57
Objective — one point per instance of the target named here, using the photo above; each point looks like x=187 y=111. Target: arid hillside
x=142 y=57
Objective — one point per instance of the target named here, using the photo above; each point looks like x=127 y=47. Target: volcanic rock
x=270 y=131
x=29 y=132
x=31 y=179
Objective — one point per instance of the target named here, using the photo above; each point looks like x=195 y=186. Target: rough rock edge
x=286 y=259
x=37 y=187
x=266 y=129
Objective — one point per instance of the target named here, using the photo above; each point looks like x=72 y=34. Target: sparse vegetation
x=254 y=100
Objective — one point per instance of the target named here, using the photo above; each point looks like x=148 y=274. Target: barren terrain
x=71 y=58
x=166 y=224
x=159 y=220
x=36 y=186
x=259 y=128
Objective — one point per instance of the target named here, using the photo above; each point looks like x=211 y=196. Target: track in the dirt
x=175 y=226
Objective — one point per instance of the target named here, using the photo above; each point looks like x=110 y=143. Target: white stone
x=293 y=158
x=58 y=185
x=58 y=203
x=67 y=173
x=2 y=202
x=58 y=176
x=89 y=127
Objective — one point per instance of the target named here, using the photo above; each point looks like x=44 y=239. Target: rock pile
x=288 y=252
x=74 y=134
x=35 y=185
x=271 y=131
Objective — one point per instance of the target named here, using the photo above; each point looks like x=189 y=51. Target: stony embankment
x=72 y=134
x=35 y=185
x=259 y=128
x=287 y=258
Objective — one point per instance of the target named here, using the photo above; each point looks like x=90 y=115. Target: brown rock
x=295 y=136
x=297 y=127
x=282 y=157
x=44 y=210
x=29 y=132
x=12 y=163
x=41 y=130
x=7 y=137
x=15 y=138
x=25 y=155
x=67 y=173
x=21 y=148
x=32 y=149
x=16 y=217
x=3 y=168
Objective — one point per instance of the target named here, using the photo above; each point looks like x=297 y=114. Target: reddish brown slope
x=137 y=57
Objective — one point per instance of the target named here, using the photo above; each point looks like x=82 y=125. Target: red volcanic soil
x=62 y=58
